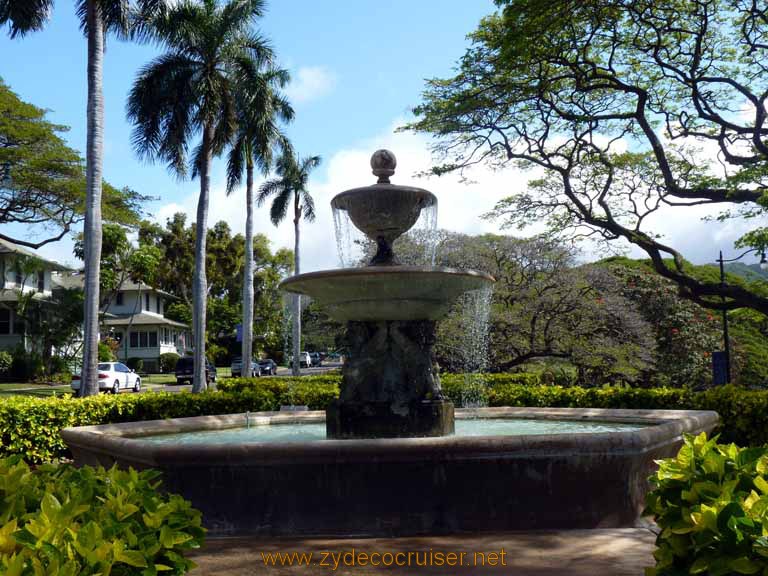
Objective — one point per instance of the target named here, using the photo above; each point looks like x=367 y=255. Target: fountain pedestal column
x=390 y=387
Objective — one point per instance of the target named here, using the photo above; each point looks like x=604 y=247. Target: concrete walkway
x=616 y=552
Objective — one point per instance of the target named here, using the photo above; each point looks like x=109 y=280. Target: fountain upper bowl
x=381 y=293
x=384 y=210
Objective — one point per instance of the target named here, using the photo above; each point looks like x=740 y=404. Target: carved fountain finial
x=383 y=163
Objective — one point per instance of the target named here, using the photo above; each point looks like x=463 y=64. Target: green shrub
x=135 y=364
x=29 y=426
x=168 y=361
x=711 y=503
x=6 y=360
x=26 y=366
x=72 y=521
x=56 y=378
x=105 y=352
x=313 y=391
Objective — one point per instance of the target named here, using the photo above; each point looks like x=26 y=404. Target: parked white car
x=305 y=360
x=113 y=377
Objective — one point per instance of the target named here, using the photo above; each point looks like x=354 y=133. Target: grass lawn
x=31 y=389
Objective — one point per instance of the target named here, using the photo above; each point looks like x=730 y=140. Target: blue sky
x=358 y=67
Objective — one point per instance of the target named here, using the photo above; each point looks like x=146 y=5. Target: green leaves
x=713 y=522
x=49 y=524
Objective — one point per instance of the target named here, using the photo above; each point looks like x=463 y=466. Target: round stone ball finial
x=383 y=163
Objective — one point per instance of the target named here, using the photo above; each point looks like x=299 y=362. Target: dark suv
x=316 y=359
x=185 y=368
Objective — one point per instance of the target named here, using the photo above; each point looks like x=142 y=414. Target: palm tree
x=290 y=186
x=97 y=18
x=258 y=134
x=211 y=51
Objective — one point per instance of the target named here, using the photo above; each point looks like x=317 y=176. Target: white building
x=137 y=315
x=135 y=318
x=21 y=272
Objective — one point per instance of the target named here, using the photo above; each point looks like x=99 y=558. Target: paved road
x=281 y=371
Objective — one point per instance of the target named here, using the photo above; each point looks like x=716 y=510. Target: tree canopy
x=42 y=180
x=176 y=244
x=627 y=107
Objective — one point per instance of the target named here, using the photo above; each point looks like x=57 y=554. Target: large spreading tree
x=42 y=180
x=97 y=19
x=626 y=108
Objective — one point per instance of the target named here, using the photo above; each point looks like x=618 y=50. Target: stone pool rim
x=123 y=441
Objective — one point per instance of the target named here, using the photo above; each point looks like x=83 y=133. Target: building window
x=159 y=305
x=144 y=339
x=2 y=272
x=5 y=321
x=119 y=299
x=41 y=280
x=146 y=303
x=18 y=278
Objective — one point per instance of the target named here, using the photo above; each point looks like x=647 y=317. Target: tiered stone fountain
x=390 y=387
x=389 y=463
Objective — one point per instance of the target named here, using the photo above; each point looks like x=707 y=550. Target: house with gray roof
x=22 y=272
x=135 y=318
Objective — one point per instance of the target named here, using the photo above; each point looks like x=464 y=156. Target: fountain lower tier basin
x=404 y=486
x=381 y=293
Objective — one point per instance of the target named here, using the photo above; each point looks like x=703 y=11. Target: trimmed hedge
x=29 y=426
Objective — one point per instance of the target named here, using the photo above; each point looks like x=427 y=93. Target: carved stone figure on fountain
x=390 y=362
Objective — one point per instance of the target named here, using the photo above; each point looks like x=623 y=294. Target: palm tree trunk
x=92 y=226
x=296 y=297
x=248 y=273
x=200 y=283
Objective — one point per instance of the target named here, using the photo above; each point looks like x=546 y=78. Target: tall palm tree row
x=97 y=18
x=259 y=134
x=190 y=92
x=290 y=187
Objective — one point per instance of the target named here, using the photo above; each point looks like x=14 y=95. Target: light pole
x=726 y=339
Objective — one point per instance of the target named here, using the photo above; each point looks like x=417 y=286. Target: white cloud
x=460 y=205
x=310 y=83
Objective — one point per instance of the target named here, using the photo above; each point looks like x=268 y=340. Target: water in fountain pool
x=305 y=432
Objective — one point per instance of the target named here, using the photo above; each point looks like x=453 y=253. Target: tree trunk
x=248 y=273
x=92 y=227
x=200 y=283
x=296 y=297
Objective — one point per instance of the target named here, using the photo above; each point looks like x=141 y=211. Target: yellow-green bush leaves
x=62 y=520
x=711 y=503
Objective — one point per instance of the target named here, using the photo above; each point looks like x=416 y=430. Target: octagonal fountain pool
x=504 y=469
